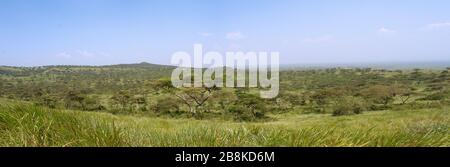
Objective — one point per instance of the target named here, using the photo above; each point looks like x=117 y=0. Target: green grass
x=23 y=124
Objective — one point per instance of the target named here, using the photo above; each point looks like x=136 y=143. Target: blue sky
x=98 y=32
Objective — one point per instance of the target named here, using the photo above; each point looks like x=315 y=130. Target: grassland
x=135 y=105
x=24 y=124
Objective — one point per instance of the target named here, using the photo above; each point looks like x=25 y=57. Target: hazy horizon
x=377 y=65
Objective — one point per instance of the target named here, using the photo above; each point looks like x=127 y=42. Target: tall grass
x=27 y=125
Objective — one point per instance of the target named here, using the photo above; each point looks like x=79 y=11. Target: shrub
x=435 y=96
x=349 y=105
x=242 y=113
x=167 y=104
x=249 y=107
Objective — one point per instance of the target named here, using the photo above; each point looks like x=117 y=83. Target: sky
x=102 y=32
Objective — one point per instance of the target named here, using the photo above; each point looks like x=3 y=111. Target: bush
x=349 y=105
x=167 y=105
x=92 y=104
x=249 y=107
x=314 y=108
x=242 y=113
x=435 y=96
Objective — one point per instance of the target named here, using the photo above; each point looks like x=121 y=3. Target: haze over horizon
x=105 y=32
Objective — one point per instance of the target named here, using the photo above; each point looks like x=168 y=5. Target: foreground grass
x=27 y=125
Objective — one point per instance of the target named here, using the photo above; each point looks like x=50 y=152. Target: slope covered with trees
x=142 y=89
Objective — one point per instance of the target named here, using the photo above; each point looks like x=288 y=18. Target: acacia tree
x=194 y=98
x=403 y=92
x=379 y=93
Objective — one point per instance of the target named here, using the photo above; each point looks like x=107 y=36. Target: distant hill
x=139 y=70
x=142 y=65
x=164 y=70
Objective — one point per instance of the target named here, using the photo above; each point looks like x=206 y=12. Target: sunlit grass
x=24 y=124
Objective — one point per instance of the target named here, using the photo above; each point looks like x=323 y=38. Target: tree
x=349 y=105
x=379 y=93
x=224 y=98
x=416 y=73
x=91 y=103
x=194 y=98
x=122 y=99
x=403 y=92
x=249 y=107
x=48 y=100
x=139 y=102
x=74 y=99
x=167 y=104
x=295 y=98
x=321 y=96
